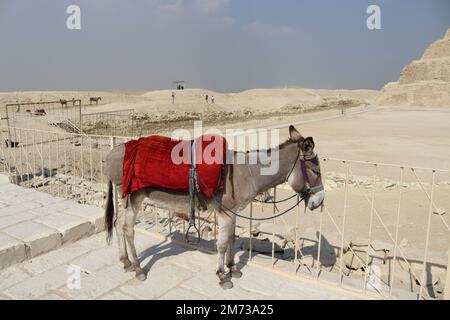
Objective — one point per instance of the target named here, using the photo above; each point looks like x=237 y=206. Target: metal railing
x=111 y=123
x=382 y=231
x=61 y=163
x=42 y=115
x=371 y=244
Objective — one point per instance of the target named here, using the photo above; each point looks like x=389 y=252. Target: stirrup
x=187 y=233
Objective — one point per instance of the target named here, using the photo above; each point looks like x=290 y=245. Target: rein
x=193 y=187
x=301 y=196
x=275 y=202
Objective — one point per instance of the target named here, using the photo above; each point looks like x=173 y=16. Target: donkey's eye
x=308 y=145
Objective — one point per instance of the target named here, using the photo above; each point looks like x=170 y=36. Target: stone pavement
x=33 y=223
x=89 y=269
x=51 y=248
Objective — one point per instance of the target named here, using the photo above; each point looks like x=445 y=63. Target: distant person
x=173 y=97
x=212 y=100
x=342 y=111
x=206 y=98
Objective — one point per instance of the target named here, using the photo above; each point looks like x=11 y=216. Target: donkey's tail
x=109 y=213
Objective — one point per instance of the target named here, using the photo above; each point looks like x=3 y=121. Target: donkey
x=94 y=99
x=298 y=165
x=63 y=102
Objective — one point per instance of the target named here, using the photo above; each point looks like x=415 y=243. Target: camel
x=298 y=166
x=94 y=99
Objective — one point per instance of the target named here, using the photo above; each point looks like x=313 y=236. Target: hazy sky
x=223 y=45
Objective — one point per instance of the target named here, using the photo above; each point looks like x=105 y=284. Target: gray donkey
x=298 y=165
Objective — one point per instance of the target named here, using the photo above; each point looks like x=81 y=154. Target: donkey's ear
x=295 y=135
x=308 y=145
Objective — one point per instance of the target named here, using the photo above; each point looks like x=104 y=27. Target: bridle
x=303 y=159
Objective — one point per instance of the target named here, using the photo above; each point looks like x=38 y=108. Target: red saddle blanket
x=158 y=161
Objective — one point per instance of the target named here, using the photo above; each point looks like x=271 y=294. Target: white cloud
x=228 y=20
x=270 y=30
x=210 y=6
x=175 y=7
x=165 y=7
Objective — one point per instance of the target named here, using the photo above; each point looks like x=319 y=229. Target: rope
x=192 y=187
x=275 y=202
x=304 y=195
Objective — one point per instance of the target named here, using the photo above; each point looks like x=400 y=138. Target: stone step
x=426 y=70
x=33 y=223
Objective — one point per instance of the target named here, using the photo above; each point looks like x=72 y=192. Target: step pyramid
x=424 y=82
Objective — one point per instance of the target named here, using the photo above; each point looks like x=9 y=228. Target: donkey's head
x=304 y=176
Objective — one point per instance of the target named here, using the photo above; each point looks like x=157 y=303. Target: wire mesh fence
x=61 y=115
x=112 y=123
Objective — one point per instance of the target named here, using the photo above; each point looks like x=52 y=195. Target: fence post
x=9 y=127
x=81 y=120
x=369 y=241
x=447 y=280
x=397 y=225
x=273 y=225
x=319 y=244
x=341 y=254
x=112 y=143
x=250 y=235
x=296 y=247
x=427 y=239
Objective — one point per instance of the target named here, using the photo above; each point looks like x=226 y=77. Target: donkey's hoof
x=141 y=276
x=236 y=274
x=226 y=285
x=129 y=268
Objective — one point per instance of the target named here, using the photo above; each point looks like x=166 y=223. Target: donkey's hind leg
x=130 y=220
x=119 y=225
x=123 y=255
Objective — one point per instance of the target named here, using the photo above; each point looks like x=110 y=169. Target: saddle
x=158 y=161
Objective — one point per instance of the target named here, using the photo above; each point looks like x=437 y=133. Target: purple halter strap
x=304 y=171
x=312 y=159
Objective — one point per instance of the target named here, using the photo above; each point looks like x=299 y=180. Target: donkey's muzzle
x=315 y=200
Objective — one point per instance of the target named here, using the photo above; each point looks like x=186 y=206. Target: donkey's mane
x=269 y=150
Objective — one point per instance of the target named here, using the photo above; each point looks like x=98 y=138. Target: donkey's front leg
x=235 y=272
x=224 y=223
